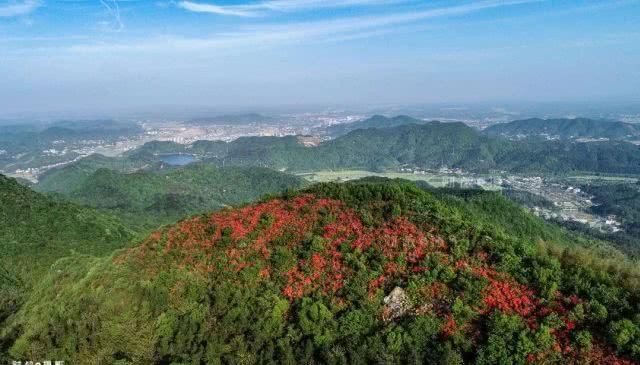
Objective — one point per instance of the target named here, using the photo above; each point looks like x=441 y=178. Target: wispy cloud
x=18 y=8
x=259 y=8
x=266 y=35
x=113 y=9
x=215 y=9
x=272 y=34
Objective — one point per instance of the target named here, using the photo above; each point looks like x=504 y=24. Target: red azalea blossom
x=248 y=237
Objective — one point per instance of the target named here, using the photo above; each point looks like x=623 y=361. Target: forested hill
x=36 y=230
x=33 y=221
x=362 y=272
x=430 y=145
x=433 y=144
x=376 y=121
x=566 y=129
x=149 y=199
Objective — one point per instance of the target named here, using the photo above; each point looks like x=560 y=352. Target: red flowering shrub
x=509 y=298
x=317 y=235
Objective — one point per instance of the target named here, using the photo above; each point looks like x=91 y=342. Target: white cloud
x=18 y=8
x=214 y=9
x=266 y=35
x=258 y=8
x=335 y=29
x=113 y=9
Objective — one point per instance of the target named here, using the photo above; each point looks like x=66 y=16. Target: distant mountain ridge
x=233 y=119
x=429 y=145
x=566 y=129
x=376 y=121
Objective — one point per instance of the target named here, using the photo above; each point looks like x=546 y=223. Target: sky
x=103 y=55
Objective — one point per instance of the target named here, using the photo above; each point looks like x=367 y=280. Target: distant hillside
x=150 y=150
x=233 y=119
x=432 y=145
x=154 y=198
x=566 y=129
x=32 y=136
x=36 y=230
x=97 y=124
x=69 y=177
x=427 y=145
x=28 y=146
x=567 y=156
x=376 y=121
x=381 y=273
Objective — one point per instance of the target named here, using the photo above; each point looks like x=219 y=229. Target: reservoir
x=178 y=159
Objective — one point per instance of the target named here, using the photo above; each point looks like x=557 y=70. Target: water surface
x=178 y=159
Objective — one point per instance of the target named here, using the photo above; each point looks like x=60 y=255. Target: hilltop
x=368 y=271
x=152 y=198
x=71 y=176
x=566 y=129
x=376 y=121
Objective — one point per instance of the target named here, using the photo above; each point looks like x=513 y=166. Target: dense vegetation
x=428 y=145
x=363 y=272
x=376 y=121
x=36 y=230
x=68 y=178
x=566 y=129
x=148 y=199
x=433 y=144
x=621 y=199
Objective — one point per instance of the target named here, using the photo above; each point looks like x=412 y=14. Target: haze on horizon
x=102 y=55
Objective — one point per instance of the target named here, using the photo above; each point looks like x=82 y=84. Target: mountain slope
x=69 y=177
x=154 y=198
x=31 y=222
x=429 y=145
x=36 y=230
x=376 y=121
x=341 y=273
x=432 y=145
x=566 y=129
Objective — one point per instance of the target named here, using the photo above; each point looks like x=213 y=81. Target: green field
x=434 y=179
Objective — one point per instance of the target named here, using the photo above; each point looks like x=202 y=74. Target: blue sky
x=113 y=55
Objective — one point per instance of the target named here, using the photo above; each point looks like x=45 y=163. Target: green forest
x=128 y=260
x=369 y=271
x=151 y=198
x=426 y=145
x=566 y=129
